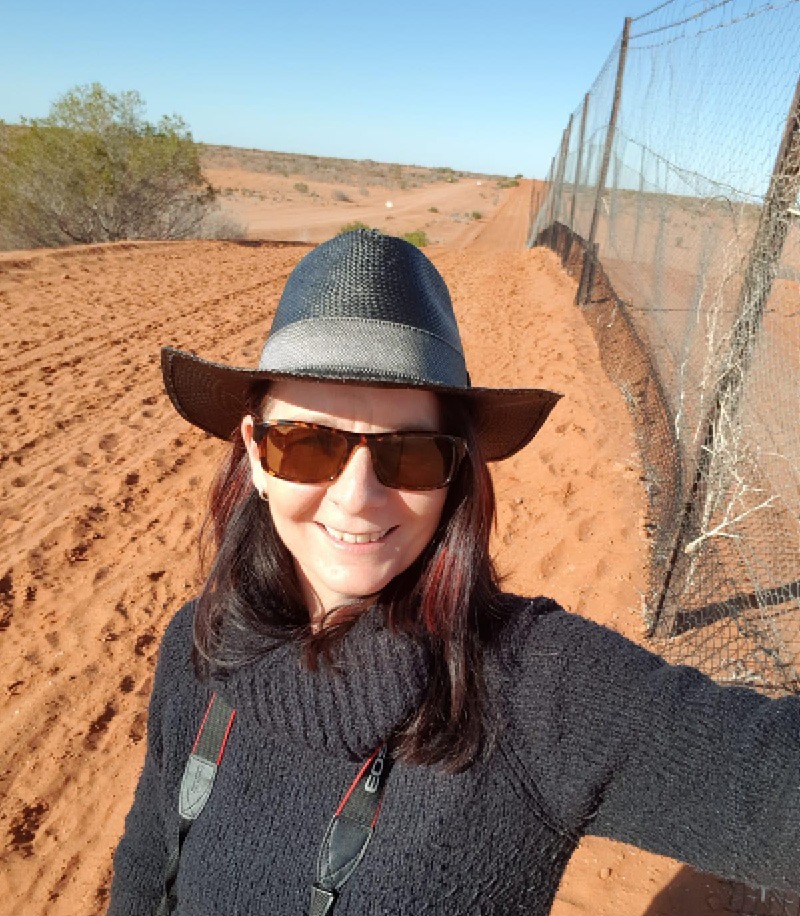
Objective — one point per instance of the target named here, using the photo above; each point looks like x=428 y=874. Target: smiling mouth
x=345 y=537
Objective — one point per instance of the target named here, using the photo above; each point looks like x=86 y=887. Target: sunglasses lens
x=414 y=462
x=303 y=454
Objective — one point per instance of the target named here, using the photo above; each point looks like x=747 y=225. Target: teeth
x=355 y=538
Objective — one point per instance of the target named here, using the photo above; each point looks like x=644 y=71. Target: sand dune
x=103 y=489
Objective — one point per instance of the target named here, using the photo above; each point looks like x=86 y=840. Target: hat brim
x=215 y=397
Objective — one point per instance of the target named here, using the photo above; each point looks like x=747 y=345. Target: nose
x=357 y=488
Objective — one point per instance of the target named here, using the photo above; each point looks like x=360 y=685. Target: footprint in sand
x=586 y=528
x=143 y=642
x=109 y=442
x=25 y=826
x=127 y=684
x=99 y=726
x=552 y=562
x=138 y=728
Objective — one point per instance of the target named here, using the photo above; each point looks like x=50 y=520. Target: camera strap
x=196 y=785
x=345 y=840
x=350 y=831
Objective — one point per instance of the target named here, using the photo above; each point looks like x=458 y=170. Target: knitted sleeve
x=140 y=858
x=714 y=780
x=620 y=744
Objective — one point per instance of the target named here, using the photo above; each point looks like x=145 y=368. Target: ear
x=259 y=475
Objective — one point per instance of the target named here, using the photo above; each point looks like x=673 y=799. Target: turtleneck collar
x=376 y=680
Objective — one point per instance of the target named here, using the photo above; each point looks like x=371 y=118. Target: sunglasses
x=310 y=453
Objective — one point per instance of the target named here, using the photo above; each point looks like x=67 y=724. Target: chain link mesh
x=695 y=300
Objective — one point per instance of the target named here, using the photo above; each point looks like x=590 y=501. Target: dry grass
x=362 y=173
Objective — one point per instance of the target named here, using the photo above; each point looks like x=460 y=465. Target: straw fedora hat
x=362 y=308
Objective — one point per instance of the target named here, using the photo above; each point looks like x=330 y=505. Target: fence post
x=765 y=253
x=579 y=163
x=586 y=282
x=538 y=197
x=640 y=198
x=612 y=126
x=551 y=204
x=562 y=166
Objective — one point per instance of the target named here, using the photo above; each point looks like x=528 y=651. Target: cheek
x=291 y=502
x=426 y=510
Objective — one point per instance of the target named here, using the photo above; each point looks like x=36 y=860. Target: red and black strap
x=196 y=786
x=345 y=840
x=350 y=831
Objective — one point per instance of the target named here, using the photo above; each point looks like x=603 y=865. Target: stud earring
x=263 y=495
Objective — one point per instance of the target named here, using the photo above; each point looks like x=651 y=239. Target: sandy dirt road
x=269 y=206
x=103 y=489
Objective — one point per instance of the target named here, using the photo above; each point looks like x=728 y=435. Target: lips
x=347 y=537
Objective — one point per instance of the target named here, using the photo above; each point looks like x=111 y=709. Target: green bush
x=418 y=237
x=476 y=214
x=301 y=187
x=433 y=209
x=508 y=183
x=351 y=227
x=94 y=170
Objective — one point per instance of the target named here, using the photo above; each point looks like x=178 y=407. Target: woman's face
x=317 y=521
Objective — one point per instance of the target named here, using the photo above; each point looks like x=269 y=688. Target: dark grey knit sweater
x=596 y=735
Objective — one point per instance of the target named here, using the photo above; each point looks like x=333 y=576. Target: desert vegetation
x=352 y=226
x=364 y=173
x=94 y=170
x=418 y=237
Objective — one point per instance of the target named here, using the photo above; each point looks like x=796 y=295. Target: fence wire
x=694 y=295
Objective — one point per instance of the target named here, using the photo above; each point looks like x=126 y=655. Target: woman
x=407 y=737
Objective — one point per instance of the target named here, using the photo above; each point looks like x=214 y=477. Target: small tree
x=94 y=170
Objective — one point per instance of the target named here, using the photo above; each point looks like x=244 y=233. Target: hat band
x=363 y=348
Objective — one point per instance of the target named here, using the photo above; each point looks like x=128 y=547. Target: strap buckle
x=322 y=901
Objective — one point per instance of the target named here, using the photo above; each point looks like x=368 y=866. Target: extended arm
x=623 y=745
x=715 y=781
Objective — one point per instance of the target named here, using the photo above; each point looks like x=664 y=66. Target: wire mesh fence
x=674 y=196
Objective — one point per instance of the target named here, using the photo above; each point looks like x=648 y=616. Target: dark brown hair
x=449 y=598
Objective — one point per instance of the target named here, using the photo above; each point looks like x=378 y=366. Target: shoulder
x=175 y=670
x=547 y=661
x=178 y=636
x=539 y=628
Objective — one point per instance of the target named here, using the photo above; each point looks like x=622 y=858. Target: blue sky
x=480 y=86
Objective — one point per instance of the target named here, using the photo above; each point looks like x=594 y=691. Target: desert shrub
x=508 y=183
x=433 y=209
x=351 y=227
x=445 y=173
x=219 y=226
x=341 y=196
x=301 y=187
x=94 y=170
x=476 y=214
x=418 y=237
